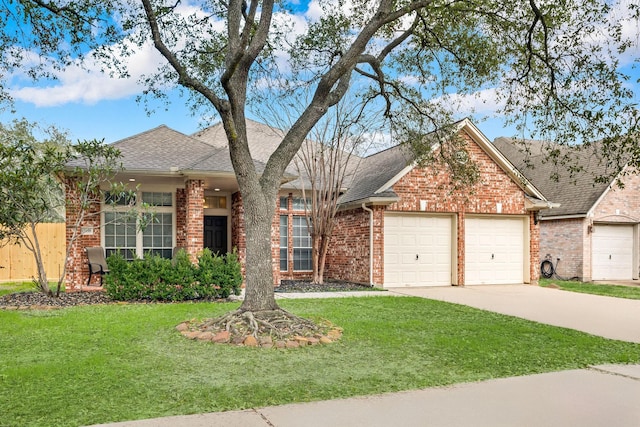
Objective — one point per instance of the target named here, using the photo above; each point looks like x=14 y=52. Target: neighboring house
x=594 y=231
x=399 y=224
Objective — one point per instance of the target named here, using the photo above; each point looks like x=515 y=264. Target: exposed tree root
x=267 y=327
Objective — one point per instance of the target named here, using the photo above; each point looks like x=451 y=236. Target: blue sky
x=88 y=104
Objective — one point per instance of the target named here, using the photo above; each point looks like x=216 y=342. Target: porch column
x=87 y=235
x=194 y=224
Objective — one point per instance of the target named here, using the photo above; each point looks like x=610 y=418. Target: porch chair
x=97 y=263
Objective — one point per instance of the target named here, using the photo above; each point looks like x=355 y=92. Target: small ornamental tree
x=31 y=171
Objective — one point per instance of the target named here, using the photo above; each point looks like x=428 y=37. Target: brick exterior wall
x=194 y=210
x=565 y=239
x=76 y=263
x=571 y=239
x=349 y=254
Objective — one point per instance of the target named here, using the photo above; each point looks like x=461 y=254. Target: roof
x=165 y=149
x=379 y=172
x=577 y=193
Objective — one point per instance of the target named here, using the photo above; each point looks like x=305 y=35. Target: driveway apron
x=614 y=318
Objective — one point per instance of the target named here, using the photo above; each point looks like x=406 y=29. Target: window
x=299 y=204
x=284 y=243
x=119 y=199
x=215 y=202
x=158 y=199
x=121 y=227
x=157 y=237
x=120 y=234
x=284 y=203
x=301 y=245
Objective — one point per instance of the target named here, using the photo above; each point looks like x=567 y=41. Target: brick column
x=534 y=249
x=378 y=245
x=194 y=217
x=461 y=248
x=76 y=263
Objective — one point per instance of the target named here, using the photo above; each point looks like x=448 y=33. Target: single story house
x=398 y=225
x=594 y=233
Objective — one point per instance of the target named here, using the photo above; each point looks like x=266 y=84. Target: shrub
x=154 y=278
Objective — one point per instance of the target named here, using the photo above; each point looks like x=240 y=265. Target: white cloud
x=485 y=102
x=89 y=85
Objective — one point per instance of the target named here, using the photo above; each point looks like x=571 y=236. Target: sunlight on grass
x=96 y=364
x=11 y=287
x=618 y=291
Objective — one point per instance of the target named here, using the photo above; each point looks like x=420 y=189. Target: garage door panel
x=494 y=250
x=612 y=252
x=417 y=250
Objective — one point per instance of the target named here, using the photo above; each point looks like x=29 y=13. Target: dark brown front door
x=215 y=234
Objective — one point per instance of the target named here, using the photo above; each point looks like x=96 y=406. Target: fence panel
x=18 y=263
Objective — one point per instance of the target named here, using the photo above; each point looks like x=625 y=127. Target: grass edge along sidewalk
x=97 y=364
x=609 y=290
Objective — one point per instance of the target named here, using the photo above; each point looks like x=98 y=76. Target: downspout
x=364 y=207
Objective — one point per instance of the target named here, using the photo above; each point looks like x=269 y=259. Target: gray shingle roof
x=576 y=193
x=375 y=171
x=161 y=149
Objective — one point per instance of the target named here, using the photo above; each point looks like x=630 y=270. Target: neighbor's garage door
x=417 y=250
x=494 y=250
x=612 y=252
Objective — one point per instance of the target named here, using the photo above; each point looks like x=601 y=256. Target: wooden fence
x=17 y=264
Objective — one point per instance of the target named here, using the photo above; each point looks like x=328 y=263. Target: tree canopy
x=554 y=68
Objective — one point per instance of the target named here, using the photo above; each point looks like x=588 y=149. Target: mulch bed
x=38 y=300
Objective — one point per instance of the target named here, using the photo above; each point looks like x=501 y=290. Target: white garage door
x=494 y=251
x=417 y=250
x=612 y=252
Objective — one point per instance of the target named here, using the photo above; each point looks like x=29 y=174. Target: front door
x=215 y=234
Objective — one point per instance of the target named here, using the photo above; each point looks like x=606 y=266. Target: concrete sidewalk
x=597 y=397
x=614 y=318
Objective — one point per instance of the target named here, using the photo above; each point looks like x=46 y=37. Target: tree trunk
x=258 y=217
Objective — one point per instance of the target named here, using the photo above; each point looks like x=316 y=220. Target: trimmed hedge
x=155 y=278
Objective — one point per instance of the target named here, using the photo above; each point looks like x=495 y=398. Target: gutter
x=364 y=207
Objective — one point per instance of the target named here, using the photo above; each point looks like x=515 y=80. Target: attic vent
x=462 y=156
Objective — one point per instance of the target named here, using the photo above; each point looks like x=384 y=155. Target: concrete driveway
x=614 y=318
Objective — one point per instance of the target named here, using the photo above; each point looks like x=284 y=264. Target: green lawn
x=618 y=291
x=11 y=287
x=97 y=364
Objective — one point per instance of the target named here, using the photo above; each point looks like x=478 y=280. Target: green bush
x=154 y=278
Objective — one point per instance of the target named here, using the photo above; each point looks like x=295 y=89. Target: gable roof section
x=163 y=149
x=381 y=171
x=576 y=194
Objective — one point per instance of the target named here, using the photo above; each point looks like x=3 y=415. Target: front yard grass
x=618 y=291
x=97 y=364
x=11 y=287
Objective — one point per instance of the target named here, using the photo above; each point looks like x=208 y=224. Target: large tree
x=553 y=66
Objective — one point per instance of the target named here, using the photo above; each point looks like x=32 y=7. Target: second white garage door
x=494 y=250
x=612 y=252
x=417 y=250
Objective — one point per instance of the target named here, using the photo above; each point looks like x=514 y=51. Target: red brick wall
x=620 y=204
x=349 y=256
x=77 y=269
x=565 y=239
x=194 y=226
x=349 y=253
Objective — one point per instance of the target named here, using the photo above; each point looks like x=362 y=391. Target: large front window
x=133 y=237
x=301 y=245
